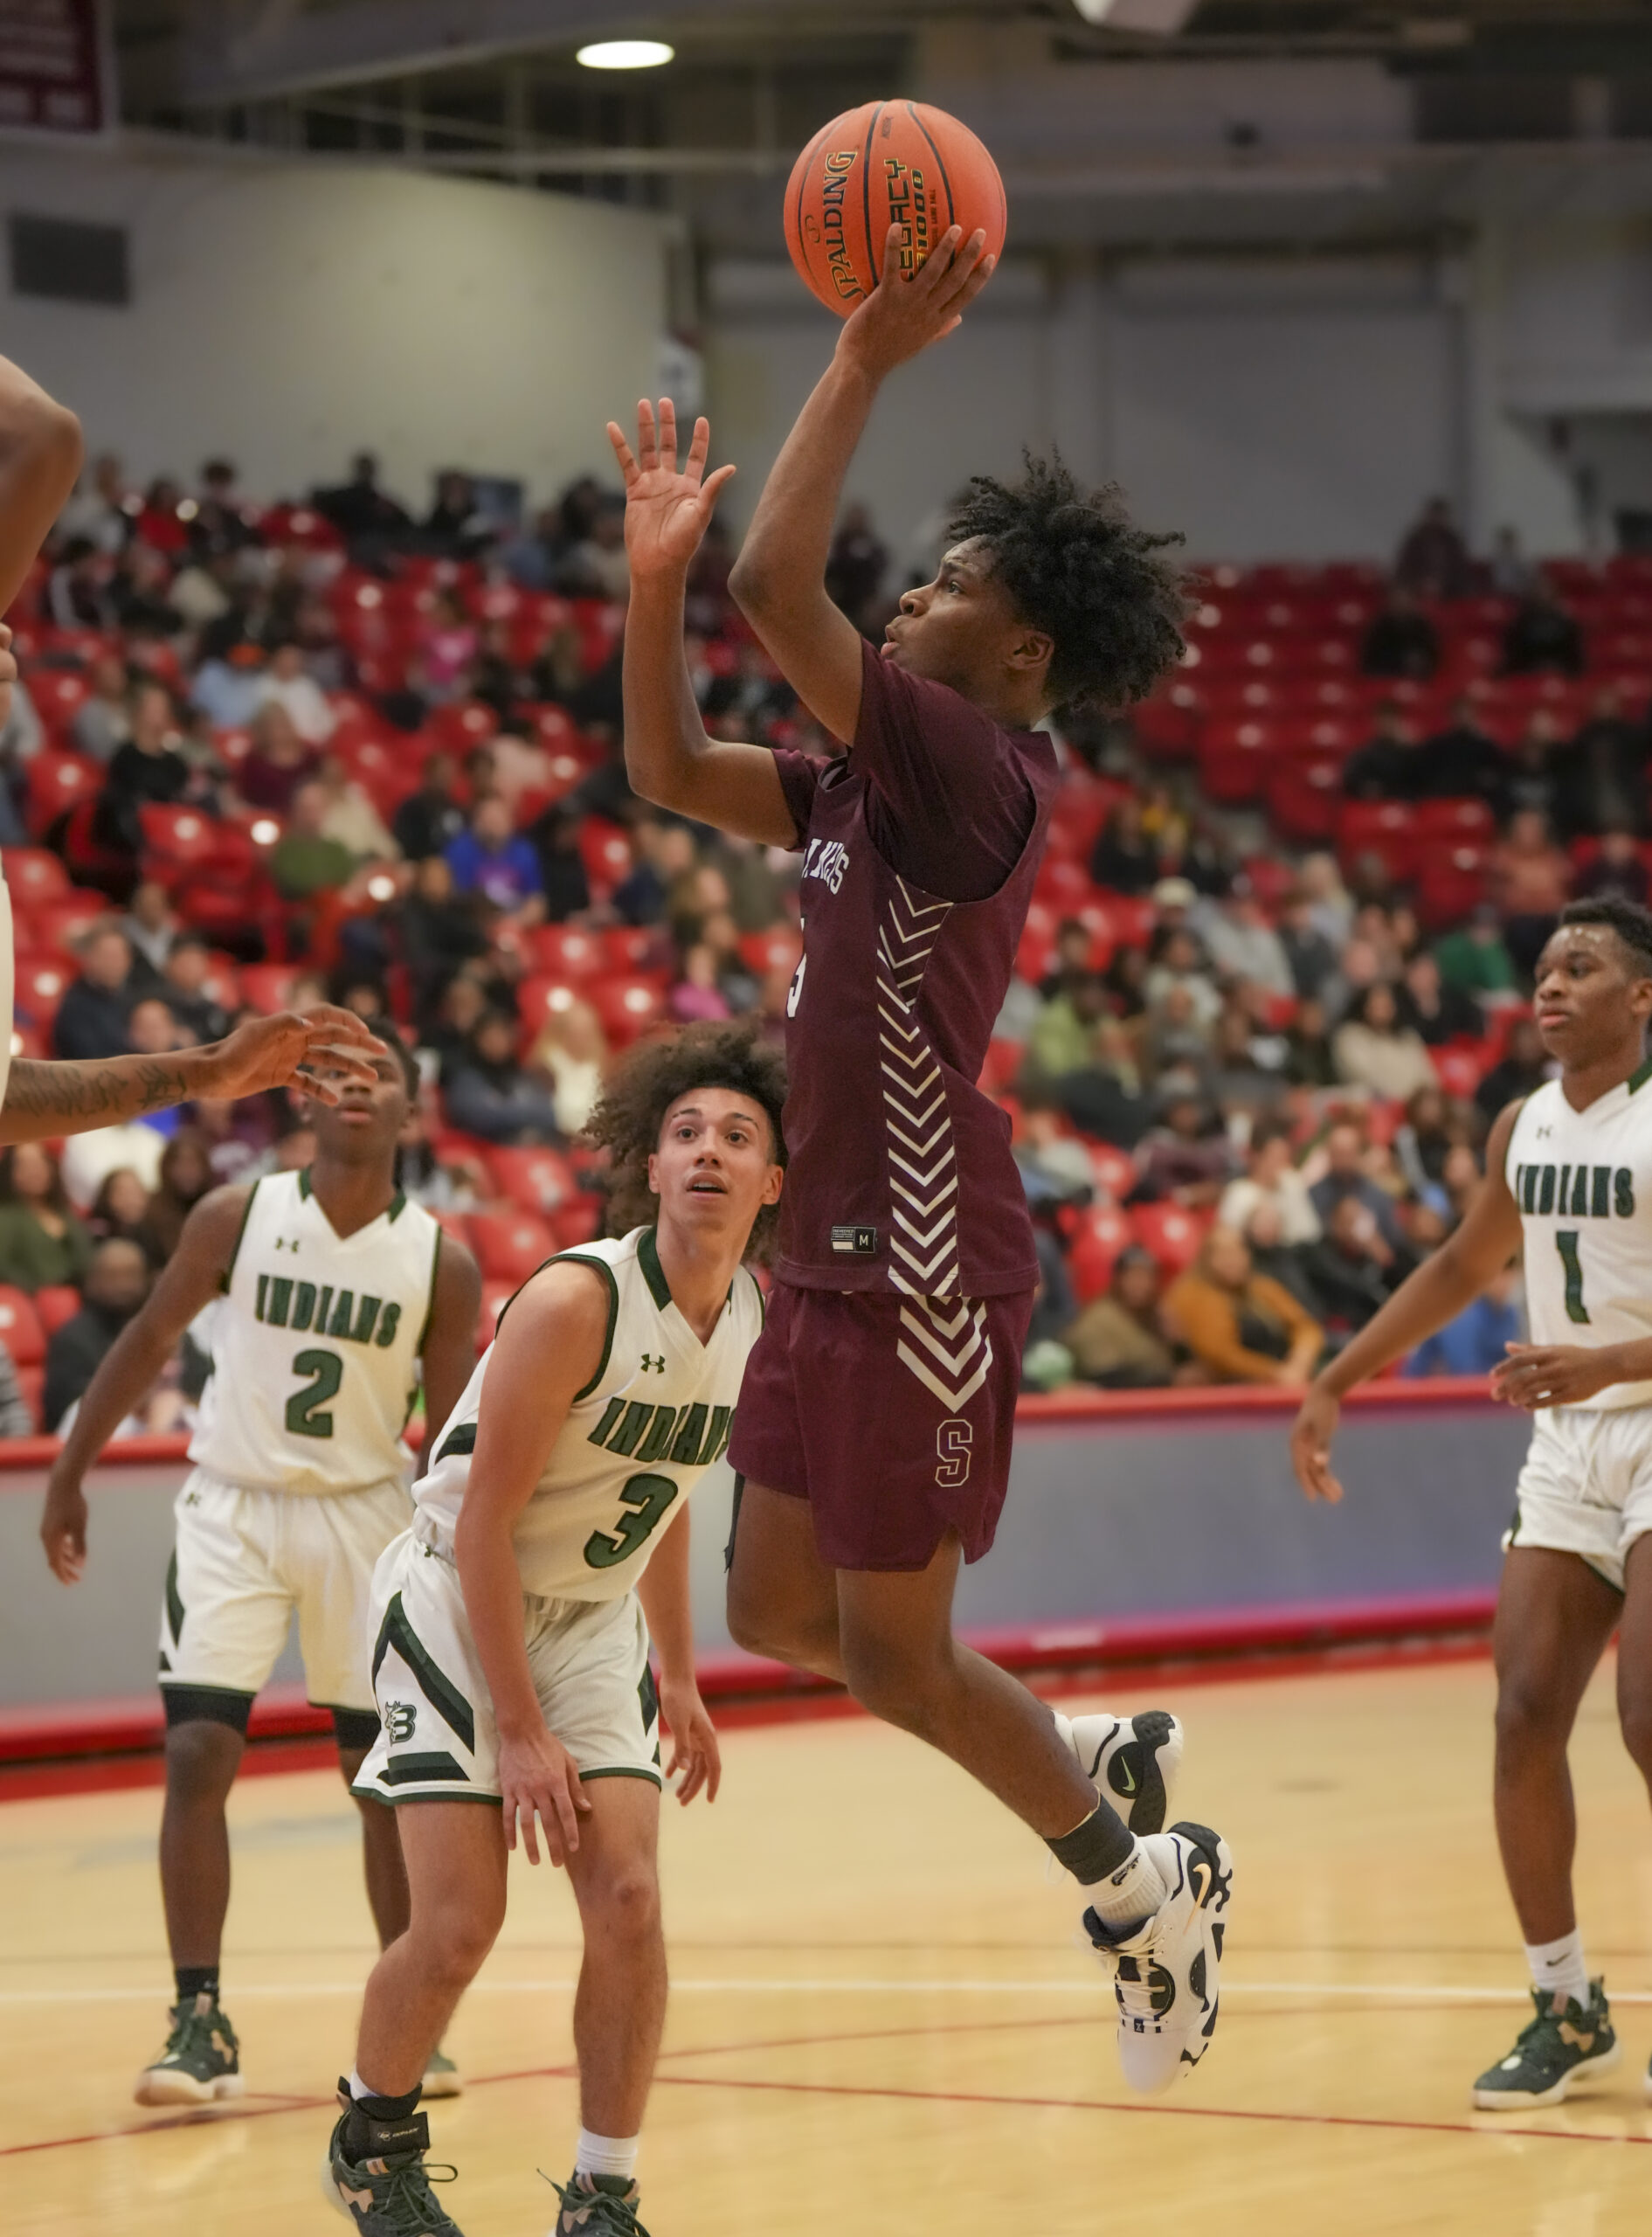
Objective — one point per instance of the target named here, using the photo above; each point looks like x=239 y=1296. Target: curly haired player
x=875 y=1421
x=512 y=1656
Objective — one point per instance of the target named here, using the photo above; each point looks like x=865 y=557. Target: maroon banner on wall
x=53 y=67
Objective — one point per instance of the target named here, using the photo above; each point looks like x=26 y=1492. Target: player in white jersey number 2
x=551 y=1539
x=335 y=1296
x=1568 y=1170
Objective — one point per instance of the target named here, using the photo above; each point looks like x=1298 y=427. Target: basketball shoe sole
x=1133 y=1762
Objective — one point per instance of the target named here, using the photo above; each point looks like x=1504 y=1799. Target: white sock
x=1559 y=1966
x=1131 y=1894
x=607 y=2155
x=360 y=2090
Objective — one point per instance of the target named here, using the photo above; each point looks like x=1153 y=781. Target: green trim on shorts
x=439 y=1690
x=623 y=1771
x=438 y=1764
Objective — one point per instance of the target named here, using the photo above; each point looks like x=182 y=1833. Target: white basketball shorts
x=246 y=1560
x=1586 y=1486
x=437 y=1738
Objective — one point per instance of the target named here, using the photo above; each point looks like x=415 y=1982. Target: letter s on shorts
x=952 y=1442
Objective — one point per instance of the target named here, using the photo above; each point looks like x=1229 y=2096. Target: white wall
x=287 y=313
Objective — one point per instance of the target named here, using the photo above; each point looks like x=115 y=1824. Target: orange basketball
x=890 y=163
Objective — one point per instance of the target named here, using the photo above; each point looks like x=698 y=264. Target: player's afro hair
x=1075 y=564
x=1632 y=924
x=627 y=1122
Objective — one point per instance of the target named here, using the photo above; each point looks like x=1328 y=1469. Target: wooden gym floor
x=880 y=2023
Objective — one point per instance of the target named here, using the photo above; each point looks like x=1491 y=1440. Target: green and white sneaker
x=1131 y=1762
x=597 y=2205
x=442 y=2076
x=387 y=2193
x=1566 y=2043
x=202 y=2059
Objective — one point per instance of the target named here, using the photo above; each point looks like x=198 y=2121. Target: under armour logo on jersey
x=654 y=1363
x=399 y=1719
x=1544 y=1133
x=282 y=1244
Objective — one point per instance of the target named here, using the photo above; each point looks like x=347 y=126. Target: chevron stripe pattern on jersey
x=924 y=1180
x=944 y=1342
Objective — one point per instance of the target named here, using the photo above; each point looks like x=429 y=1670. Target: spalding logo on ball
x=888 y=163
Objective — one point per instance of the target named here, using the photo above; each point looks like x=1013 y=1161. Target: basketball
x=888 y=163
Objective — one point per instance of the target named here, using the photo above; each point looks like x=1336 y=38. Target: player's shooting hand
x=63 y=1527
x=667 y=510
x=1310 y=1436
x=1535 y=1376
x=695 y=1751
x=539 y=1779
x=902 y=317
x=7 y=674
x=318 y=1051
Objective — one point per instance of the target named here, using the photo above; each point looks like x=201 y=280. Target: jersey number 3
x=647 y=1497
x=1565 y=1243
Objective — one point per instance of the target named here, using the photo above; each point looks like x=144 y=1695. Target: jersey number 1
x=1565 y=1243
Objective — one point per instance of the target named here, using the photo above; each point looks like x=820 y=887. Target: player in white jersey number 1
x=1568 y=1171
x=335 y=1296
x=551 y=1539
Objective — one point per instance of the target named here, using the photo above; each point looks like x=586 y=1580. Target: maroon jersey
x=900 y=1173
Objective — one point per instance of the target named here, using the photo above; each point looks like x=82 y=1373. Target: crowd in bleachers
x=1271 y=990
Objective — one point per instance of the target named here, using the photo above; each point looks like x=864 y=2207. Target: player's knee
x=626 y=1903
x=1635 y=1719
x=201 y=1760
x=892 y=1682
x=457 y=1937
x=1527 y=1719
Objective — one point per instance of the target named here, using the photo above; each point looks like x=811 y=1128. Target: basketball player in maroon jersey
x=872 y=1436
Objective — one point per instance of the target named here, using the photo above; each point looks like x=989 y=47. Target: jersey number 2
x=647 y=1497
x=304 y=1417
x=1565 y=1243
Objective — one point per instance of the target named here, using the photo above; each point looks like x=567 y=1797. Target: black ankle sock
x=1097 y=1848
x=367 y=2118
x=196 y=1980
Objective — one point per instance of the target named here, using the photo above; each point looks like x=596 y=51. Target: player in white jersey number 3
x=512 y=1656
x=1568 y=1171
x=335 y=1295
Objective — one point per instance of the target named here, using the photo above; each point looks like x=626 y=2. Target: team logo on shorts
x=399 y=1719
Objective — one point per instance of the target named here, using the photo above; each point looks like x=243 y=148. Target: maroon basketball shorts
x=892 y=1416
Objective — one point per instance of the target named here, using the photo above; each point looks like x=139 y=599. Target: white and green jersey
x=315 y=1345
x=637 y=1440
x=1583 y=1182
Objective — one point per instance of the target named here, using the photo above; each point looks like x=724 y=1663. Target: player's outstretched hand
x=667 y=510
x=695 y=1753
x=900 y=316
x=7 y=674
x=540 y=1780
x=1310 y=1436
x=63 y=1527
x=1535 y=1376
x=319 y=1051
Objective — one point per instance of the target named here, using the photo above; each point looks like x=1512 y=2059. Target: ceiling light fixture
x=626 y=54
x=1161 y=18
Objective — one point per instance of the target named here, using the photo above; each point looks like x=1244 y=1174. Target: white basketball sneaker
x=1133 y=1762
x=1164 y=1972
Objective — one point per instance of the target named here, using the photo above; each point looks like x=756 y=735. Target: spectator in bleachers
x=140 y=593
x=1181 y=962
x=491 y=1094
x=91 y=1018
x=103 y=721
x=1619 y=870
x=1521 y=1070
x=1309 y=955
x=96 y=514
x=146 y=767
x=493 y=859
x=1531 y=880
x=1375 y=1049
x=150 y=925
x=1239 y=1078
x=185 y=1176
x=117 y=1281
x=1240 y=942
x=1282 y=1262
x=224 y=686
x=1240 y=1325
x=1440 y=1013
x=220 y=522
x=1391 y=764
x=160 y=522
x=78 y=588
x=118 y=1209
x=1530 y=777
x=447 y=643
x=457 y=1180
x=1474 y=959
x=1432 y=1128
x=304 y=862
x=288 y=683
x=427 y=820
x=1172 y=1039
x=1067 y=1035
x=1460 y=762
x=1055 y=1165
x=1271 y=1177
x=1400 y=641
x=555 y=833
x=350 y=816
x=572 y=1052
x=436 y=932
x=1353 y=1269
x=1117 y=1340
x=42 y=1240
x=1069 y=958
x=184 y=982
x=278 y=763
x=1321 y=879
x=1309 y=1060
x=663 y=856
x=1346 y=1154
x=1509 y=571
x=1601 y=773
x=594 y=564
x=1187 y=1158
x=1124 y=859
x=856 y=567
x=1542 y=637
x=1478 y=1338
x=368 y=518
x=696 y=995
x=1434 y=561
x=454 y=528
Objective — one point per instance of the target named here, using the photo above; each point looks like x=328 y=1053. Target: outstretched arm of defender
x=1438 y=1290
x=548 y=1346
x=191 y=1277
x=663 y=1591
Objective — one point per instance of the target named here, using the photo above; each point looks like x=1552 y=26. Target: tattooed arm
x=315 y=1052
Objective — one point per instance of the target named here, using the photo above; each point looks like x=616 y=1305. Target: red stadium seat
x=1303 y=799
x=1449 y=820
x=176 y=839
x=1102 y=1232
x=31 y=1383
x=463 y=725
x=605 y=851
x=55 y=1304
x=632 y=947
x=495 y=1297
x=59 y=924
x=1388 y=828
x=1173 y=1235
x=56 y=783
x=510 y=1245
x=1461 y=1066
x=1453 y=883
x=778 y=949
x=33 y=874
x=20 y=1329
x=1235 y=758
x=538 y=1180
x=268 y=987
x=577 y=1221
x=58 y=694
x=40 y=985
x=566 y=952
x=627 y=1006
x=1114 y=1170
x=541 y=998
x=1003 y=1060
